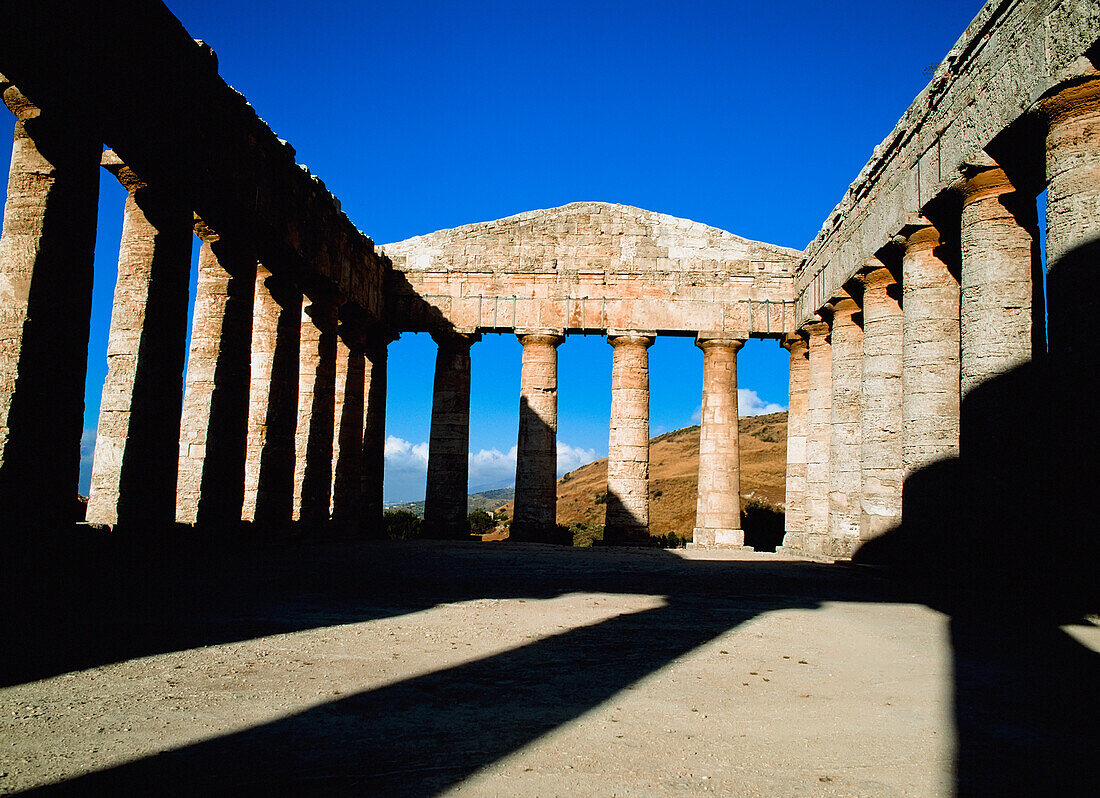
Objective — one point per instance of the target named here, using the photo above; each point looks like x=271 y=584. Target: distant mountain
x=486 y=500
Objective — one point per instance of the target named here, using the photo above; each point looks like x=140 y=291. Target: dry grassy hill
x=673 y=476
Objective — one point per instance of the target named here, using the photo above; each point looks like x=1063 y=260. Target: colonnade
x=257 y=432
x=879 y=377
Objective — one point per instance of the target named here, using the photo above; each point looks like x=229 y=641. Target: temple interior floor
x=433 y=668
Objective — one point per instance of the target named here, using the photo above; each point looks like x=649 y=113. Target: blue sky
x=752 y=117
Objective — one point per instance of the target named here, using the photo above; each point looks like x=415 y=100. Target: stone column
x=820 y=421
x=137 y=444
x=718 y=504
x=535 y=516
x=930 y=351
x=214 y=427
x=794 y=516
x=627 y=517
x=272 y=401
x=999 y=257
x=46 y=254
x=316 y=411
x=881 y=477
x=1073 y=215
x=449 y=440
x=374 y=430
x=347 y=459
x=845 y=471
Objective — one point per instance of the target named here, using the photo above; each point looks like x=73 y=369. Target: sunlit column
x=137 y=442
x=819 y=413
x=46 y=254
x=535 y=516
x=627 y=517
x=316 y=411
x=718 y=503
x=794 y=523
x=844 y=444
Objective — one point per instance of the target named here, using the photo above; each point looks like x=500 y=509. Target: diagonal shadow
x=424 y=734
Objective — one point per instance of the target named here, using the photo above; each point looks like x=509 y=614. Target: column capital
x=17 y=102
x=122 y=173
x=982 y=181
x=546 y=337
x=875 y=274
x=794 y=342
x=705 y=340
x=918 y=234
x=1073 y=98
x=454 y=338
x=816 y=329
x=843 y=305
x=631 y=338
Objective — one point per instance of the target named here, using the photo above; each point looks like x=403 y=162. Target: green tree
x=480 y=522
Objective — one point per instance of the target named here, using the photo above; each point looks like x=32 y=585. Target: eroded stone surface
x=535 y=516
x=627 y=517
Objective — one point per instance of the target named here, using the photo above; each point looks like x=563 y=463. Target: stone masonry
x=627 y=495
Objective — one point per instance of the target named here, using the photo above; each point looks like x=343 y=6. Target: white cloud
x=492 y=468
x=749 y=403
x=405 y=457
x=570 y=457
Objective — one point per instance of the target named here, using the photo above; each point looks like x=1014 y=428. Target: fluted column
x=272 y=401
x=449 y=440
x=930 y=351
x=347 y=450
x=316 y=411
x=819 y=414
x=880 y=440
x=535 y=515
x=374 y=429
x=845 y=471
x=718 y=503
x=627 y=517
x=137 y=442
x=46 y=254
x=999 y=250
x=214 y=426
x=794 y=517
x=1073 y=215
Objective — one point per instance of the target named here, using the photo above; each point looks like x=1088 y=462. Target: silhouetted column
x=46 y=254
x=819 y=414
x=880 y=439
x=214 y=426
x=137 y=443
x=718 y=503
x=535 y=516
x=347 y=455
x=1073 y=215
x=374 y=429
x=930 y=352
x=449 y=441
x=316 y=411
x=999 y=258
x=845 y=471
x=794 y=520
x=273 y=401
x=627 y=517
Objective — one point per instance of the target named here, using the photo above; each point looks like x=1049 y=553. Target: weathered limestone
x=930 y=351
x=137 y=443
x=535 y=516
x=845 y=437
x=794 y=523
x=316 y=411
x=1073 y=213
x=347 y=451
x=718 y=506
x=46 y=254
x=449 y=440
x=273 y=401
x=374 y=429
x=214 y=424
x=999 y=259
x=627 y=517
x=819 y=415
x=880 y=437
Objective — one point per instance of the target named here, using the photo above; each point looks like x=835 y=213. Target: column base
x=804 y=544
x=719 y=538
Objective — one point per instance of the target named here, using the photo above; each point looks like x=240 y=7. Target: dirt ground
x=521 y=669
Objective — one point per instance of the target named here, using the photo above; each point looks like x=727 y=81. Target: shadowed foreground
x=525 y=669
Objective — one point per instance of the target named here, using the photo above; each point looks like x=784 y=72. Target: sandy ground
x=513 y=669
